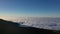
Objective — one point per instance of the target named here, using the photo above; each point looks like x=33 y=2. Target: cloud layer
x=46 y=23
x=38 y=22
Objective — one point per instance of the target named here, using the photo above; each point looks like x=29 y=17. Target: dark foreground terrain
x=8 y=27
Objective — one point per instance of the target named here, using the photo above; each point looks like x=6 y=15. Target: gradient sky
x=34 y=8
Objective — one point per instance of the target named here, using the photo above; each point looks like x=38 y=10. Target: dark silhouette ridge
x=8 y=27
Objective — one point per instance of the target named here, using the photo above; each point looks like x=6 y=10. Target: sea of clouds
x=41 y=22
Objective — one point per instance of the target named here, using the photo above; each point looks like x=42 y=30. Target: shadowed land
x=8 y=27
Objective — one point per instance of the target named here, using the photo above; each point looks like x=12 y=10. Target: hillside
x=8 y=27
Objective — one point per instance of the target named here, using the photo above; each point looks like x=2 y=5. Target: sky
x=30 y=8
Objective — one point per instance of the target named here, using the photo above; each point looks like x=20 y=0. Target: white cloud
x=38 y=22
x=47 y=23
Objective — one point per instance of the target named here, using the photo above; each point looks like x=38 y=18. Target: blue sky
x=30 y=8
